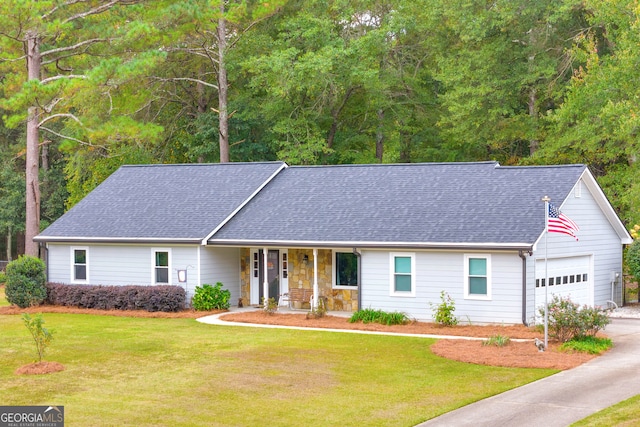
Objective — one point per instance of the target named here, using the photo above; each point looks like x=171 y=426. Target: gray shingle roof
x=448 y=203
x=161 y=202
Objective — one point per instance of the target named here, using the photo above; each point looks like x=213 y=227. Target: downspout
x=359 y=256
x=524 y=284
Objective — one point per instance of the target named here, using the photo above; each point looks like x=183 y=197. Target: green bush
x=632 y=258
x=369 y=315
x=591 y=345
x=443 y=312
x=497 y=340
x=26 y=282
x=209 y=297
x=568 y=321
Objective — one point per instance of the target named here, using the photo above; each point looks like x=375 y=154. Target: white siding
x=597 y=238
x=438 y=271
x=222 y=265
x=133 y=265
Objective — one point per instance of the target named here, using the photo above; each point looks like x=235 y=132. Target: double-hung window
x=477 y=276
x=345 y=270
x=79 y=265
x=403 y=275
x=161 y=266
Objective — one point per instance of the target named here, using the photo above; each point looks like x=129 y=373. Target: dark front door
x=272 y=271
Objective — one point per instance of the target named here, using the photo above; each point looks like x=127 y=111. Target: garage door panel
x=567 y=278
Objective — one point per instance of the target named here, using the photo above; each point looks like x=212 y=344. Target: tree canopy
x=90 y=85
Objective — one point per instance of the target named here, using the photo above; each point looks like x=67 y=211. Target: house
x=385 y=236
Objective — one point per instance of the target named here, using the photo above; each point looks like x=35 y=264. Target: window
x=477 y=272
x=161 y=266
x=403 y=274
x=79 y=263
x=345 y=270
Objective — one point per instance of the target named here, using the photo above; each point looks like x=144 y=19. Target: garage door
x=567 y=277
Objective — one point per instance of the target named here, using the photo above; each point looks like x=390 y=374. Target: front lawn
x=625 y=413
x=137 y=372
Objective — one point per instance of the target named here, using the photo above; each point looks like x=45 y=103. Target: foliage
x=443 y=312
x=150 y=298
x=209 y=297
x=497 y=340
x=319 y=311
x=568 y=321
x=270 y=305
x=369 y=315
x=26 y=281
x=632 y=259
x=3 y=277
x=41 y=335
x=587 y=344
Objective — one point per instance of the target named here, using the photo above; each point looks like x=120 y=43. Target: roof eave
x=139 y=240
x=513 y=246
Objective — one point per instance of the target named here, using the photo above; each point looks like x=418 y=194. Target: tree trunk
x=222 y=88
x=380 y=137
x=32 y=184
x=9 y=243
x=534 y=143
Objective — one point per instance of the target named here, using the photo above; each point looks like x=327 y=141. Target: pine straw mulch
x=40 y=368
x=515 y=354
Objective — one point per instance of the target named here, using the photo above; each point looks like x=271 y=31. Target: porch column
x=265 y=284
x=315 y=278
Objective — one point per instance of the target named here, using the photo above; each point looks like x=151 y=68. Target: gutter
x=524 y=285
x=359 y=256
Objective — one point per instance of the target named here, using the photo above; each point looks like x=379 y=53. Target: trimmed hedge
x=150 y=298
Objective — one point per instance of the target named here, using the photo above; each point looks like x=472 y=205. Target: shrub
x=209 y=297
x=26 y=282
x=568 y=321
x=497 y=340
x=41 y=335
x=369 y=315
x=588 y=344
x=270 y=305
x=320 y=310
x=632 y=258
x=443 y=312
x=150 y=298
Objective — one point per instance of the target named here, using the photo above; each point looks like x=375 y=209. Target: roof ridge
x=487 y=162
x=270 y=162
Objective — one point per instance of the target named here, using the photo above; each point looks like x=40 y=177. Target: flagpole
x=546 y=201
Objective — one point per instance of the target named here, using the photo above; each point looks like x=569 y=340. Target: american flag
x=560 y=223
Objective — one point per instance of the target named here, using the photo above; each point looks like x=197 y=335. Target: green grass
x=369 y=315
x=625 y=413
x=143 y=372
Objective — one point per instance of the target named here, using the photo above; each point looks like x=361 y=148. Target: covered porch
x=331 y=274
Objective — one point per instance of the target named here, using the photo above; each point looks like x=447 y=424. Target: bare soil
x=514 y=354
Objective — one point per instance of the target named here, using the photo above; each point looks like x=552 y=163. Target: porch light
x=305 y=258
x=182 y=276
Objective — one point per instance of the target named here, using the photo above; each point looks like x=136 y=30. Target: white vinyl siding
x=444 y=271
x=222 y=265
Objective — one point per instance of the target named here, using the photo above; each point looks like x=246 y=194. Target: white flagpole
x=546 y=201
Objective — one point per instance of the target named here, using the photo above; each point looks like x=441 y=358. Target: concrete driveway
x=566 y=397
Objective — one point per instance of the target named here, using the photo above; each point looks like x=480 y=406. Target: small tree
x=443 y=312
x=41 y=335
x=632 y=258
x=26 y=282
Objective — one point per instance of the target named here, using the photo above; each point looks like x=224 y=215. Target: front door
x=272 y=271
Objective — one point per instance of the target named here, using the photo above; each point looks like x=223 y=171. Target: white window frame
x=334 y=271
x=468 y=295
x=72 y=263
x=392 y=274
x=153 y=265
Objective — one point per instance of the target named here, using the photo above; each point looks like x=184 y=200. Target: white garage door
x=567 y=277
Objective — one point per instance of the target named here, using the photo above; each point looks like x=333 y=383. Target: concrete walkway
x=566 y=397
